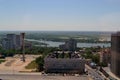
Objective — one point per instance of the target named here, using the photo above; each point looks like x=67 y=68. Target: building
x=12 y=41
x=105 y=56
x=70 y=45
x=115 y=54
x=5 y=43
x=55 y=64
x=18 y=41
x=28 y=45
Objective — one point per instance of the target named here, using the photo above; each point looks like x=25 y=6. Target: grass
x=31 y=65
x=2 y=61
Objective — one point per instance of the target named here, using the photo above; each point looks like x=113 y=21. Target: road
x=40 y=77
x=94 y=74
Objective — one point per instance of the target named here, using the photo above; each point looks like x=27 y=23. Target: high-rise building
x=12 y=41
x=69 y=45
x=18 y=41
x=5 y=43
x=115 y=54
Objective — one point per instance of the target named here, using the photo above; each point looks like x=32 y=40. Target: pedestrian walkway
x=112 y=75
x=107 y=69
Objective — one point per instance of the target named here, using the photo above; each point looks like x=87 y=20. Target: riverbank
x=56 y=44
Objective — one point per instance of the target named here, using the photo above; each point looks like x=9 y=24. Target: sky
x=60 y=15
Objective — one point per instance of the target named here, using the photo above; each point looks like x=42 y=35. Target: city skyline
x=60 y=15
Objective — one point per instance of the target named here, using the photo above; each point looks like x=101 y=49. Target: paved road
x=40 y=77
x=93 y=73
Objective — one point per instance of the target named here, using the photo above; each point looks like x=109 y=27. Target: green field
x=31 y=65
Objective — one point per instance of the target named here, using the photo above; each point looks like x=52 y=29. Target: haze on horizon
x=60 y=15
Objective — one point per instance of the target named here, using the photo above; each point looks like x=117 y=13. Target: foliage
x=89 y=37
x=95 y=58
x=34 y=50
x=103 y=64
x=89 y=55
x=40 y=63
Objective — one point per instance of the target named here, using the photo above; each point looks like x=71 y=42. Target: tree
x=95 y=58
x=40 y=63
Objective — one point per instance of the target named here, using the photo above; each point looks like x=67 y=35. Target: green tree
x=40 y=63
x=95 y=58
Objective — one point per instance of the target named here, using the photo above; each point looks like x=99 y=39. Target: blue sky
x=59 y=15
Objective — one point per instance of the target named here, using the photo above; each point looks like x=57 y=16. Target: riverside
x=56 y=44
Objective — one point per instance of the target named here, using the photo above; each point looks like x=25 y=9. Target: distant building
x=28 y=45
x=12 y=41
x=18 y=41
x=115 y=54
x=105 y=56
x=54 y=64
x=69 y=45
x=5 y=43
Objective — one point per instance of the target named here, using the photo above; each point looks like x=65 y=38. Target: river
x=56 y=44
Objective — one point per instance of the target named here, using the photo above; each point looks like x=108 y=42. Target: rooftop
x=63 y=54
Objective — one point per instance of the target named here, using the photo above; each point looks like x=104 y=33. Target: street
x=94 y=74
x=40 y=77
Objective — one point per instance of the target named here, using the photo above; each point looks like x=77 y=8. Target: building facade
x=105 y=56
x=5 y=43
x=12 y=41
x=56 y=63
x=115 y=54
x=18 y=41
x=69 y=45
x=59 y=65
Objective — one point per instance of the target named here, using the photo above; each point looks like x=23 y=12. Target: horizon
x=51 y=31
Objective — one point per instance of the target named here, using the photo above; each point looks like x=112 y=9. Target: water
x=56 y=44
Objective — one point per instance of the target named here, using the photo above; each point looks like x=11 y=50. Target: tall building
x=69 y=45
x=5 y=43
x=12 y=41
x=115 y=54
